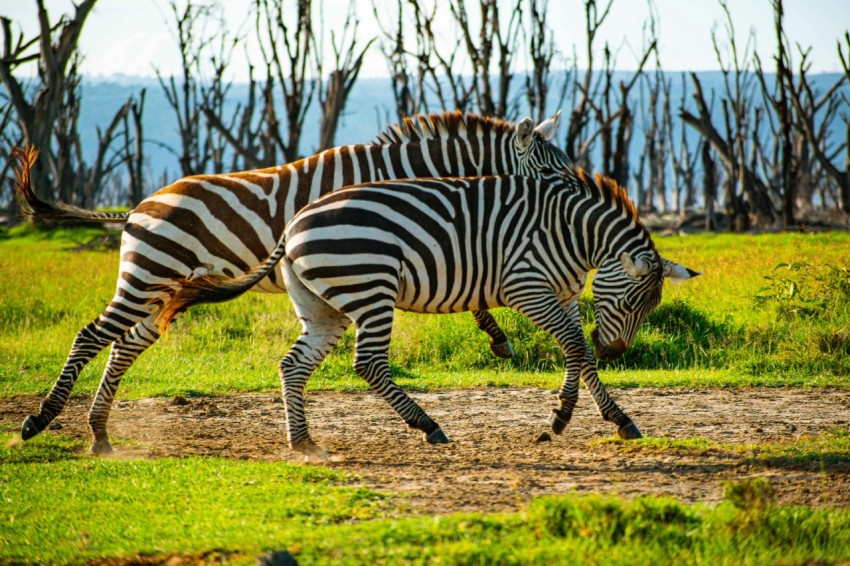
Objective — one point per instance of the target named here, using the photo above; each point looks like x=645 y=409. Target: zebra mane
x=610 y=191
x=442 y=125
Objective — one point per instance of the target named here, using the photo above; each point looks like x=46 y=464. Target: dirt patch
x=493 y=462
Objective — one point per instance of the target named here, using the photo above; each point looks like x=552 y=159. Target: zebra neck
x=600 y=230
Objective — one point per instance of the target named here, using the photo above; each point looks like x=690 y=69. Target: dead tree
x=683 y=161
x=413 y=70
x=745 y=193
x=809 y=107
x=334 y=93
x=579 y=116
x=492 y=37
x=47 y=115
x=785 y=158
x=709 y=184
x=133 y=149
x=541 y=53
x=38 y=116
x=198 y=102
x=287 y=52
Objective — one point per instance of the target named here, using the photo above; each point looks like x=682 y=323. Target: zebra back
x=478 y=227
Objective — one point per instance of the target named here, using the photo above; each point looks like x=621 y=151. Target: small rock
x=276 y=558
x=543 y=437
x=178 y=401
x=55 y=425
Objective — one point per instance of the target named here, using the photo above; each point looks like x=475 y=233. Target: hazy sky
x=133 y=36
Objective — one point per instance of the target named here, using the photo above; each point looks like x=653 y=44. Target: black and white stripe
x=224 y=224
x=452 y=245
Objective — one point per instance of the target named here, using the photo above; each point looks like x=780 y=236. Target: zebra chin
x=607 y=352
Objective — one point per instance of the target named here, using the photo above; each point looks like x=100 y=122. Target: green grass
x=58 y=506
x=830 y=448
x=738 y=324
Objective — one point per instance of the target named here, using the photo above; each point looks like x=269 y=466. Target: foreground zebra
x=224 y=224
x=450 y=245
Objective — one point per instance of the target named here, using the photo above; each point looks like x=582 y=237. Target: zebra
x=223 y=224
x=452 y=245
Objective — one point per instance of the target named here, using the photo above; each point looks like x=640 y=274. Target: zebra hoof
x=629 y=431
x=502 y=349
x=101 y=447
x=313 y=453
x=31 y=427
x=437 y=437
x=557 y=423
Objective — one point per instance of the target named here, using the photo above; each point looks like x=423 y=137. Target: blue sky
x=133 y=37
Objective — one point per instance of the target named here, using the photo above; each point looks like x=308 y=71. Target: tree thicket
x=759 y=151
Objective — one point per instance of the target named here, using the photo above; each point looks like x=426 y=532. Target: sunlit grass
x=59 y=507
x=828 y=448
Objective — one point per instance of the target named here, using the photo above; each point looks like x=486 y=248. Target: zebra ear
x=547 y=127
x=634 y=268
x=524 y=133
x=676 y=272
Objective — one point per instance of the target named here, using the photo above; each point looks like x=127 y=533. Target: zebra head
x=625 y=290
x=538 y=157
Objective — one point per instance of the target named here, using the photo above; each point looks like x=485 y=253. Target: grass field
x=770 y=310
x=744 y=322
x=214 y=509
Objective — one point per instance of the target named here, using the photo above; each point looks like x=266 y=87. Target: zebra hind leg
x=90 y=340
x=297 y=365
x=499 y=343
x=371 y=363
x=124 y=352
x=322 y=326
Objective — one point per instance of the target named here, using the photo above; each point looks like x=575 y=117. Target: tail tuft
x=30 y=205
x=206 y=289
x=34 y=208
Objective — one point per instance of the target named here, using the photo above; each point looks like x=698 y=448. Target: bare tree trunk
x=342 y=79
x=709 y=185
x=579 y=116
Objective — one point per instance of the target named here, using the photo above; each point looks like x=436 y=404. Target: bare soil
x=493 y=462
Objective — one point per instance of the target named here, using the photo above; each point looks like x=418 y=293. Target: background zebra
x=450 y=245
x=223 y=224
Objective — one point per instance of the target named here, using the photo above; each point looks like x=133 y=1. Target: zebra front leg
x=572 y=344
x=499 y=343
x=87 y=344
x=565 y=325
x=124 y=352
x=606 y=405
x=608 y=408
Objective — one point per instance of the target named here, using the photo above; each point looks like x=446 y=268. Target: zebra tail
x=212 y=288
x=34 y=208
